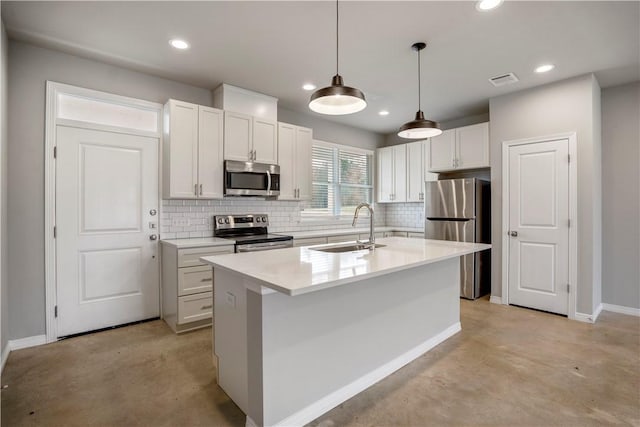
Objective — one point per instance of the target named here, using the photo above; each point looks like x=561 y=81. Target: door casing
x=573 y=217
x=51 y=122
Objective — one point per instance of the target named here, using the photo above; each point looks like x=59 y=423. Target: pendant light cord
x=337 y=35
x=419 y=88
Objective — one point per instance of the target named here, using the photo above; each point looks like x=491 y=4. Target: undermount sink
x=345 y=248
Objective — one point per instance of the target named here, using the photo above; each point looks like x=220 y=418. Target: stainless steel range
x=250 y=232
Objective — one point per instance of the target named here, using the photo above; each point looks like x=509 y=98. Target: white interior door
x=539 y=225
x=106 y=263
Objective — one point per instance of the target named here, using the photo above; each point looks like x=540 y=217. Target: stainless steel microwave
x=251 y=179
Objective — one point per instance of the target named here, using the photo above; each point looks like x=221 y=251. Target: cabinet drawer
x=343 y=238
x=192 y=308
x=310 y=241
x=193 y=280
x=415 y=235
x=191 y=257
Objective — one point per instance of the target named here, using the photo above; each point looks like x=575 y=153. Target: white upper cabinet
x=462 y=148
x=392 y=174
x=250 y=139
x=294 y=158
x=192 y=151
x=265 y=141
x=417 y=161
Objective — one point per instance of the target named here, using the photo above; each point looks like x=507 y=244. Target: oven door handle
x=268 y=182
x=263 y=246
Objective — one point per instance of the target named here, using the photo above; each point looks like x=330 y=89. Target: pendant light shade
x=337 y=99
x=419 y=128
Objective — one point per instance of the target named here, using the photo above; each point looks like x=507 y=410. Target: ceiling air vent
x=503 y=79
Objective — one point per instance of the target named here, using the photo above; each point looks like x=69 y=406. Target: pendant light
x=419 y=128
x=337 y=99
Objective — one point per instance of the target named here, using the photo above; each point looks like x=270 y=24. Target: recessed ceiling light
x=308 y=86
x=484 y=5
x=179 y=44
x=545 y=68
x=383 y=112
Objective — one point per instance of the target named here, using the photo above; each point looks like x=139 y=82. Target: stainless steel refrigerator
x=460 y=210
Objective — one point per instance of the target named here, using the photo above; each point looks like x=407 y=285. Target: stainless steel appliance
x=460 y=210
x=250 y=232
x=251 y=179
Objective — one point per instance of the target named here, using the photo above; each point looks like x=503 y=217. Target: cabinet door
x=210 y=162
x=304 y=141
x=473 y=146
x=415 y=184
x=238 y=136
x=265 y=141
x=181 y=151
x=400 y=173
x=385 y=174
x=428 y=176
x=286 y=160
x=442 y=151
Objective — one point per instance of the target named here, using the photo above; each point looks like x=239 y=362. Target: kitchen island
x=298 y=331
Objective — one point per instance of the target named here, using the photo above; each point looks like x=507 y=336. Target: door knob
x=153 y=212
x=153 y=237
x=513 y=234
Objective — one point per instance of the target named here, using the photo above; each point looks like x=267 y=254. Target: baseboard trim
x=27 y=342
x=597 y=312
x=583 y=317
x=631 y=311
x=5 y=356
x=339 y=396
x=495 y=299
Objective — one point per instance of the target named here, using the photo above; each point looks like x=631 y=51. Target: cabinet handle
x=195 y=189
x=208 y=279
x=206 y=307
x=201 y=189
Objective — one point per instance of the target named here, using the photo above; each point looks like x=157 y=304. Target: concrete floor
x=509 y=366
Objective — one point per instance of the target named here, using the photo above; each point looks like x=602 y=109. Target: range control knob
x=264 y=219
x=226 y=220
x=258 y=219
x=220 y=220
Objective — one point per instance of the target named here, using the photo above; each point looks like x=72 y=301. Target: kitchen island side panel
x=316 y=344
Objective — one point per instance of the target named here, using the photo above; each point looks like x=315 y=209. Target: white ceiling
x=275 y=47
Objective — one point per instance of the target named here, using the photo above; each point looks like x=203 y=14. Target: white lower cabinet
x=187 y=286
x=414 y=235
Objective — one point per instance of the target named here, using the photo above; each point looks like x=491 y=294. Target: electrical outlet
x=180 y=222
x=230 y=299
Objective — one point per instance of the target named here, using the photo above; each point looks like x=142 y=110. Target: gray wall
x=326 y=130
x=621 y=198
x=566 y=106
x=4 y=286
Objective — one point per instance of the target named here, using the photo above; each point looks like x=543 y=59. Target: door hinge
x=569 y=223
x=55 y=232
x=568 y=287
x=55 y=311
x=55 y=152
x=568 y=158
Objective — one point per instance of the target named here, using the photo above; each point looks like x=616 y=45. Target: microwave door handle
x=268 y=182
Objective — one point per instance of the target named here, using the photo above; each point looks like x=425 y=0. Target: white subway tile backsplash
x=405 y=215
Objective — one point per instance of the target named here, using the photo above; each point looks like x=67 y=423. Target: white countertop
x=197 y=242
x=342 y=231
x=296 y=271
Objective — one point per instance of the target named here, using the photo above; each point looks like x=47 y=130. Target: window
x=342 y=179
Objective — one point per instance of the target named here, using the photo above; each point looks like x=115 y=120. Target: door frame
x=53 y=89
x=573 y=214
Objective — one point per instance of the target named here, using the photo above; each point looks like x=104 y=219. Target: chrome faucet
x=371 y=244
